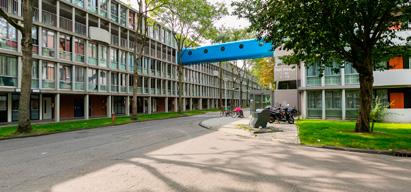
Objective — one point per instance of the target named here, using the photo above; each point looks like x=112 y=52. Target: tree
x=24 y=28
x=145 y=7
x=318 y=31
x=263 y=69
x=190 y=21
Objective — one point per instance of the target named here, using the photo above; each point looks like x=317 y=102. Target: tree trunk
x=366 y=85
x=27 y=46
x=180 y=86
x=220 y=73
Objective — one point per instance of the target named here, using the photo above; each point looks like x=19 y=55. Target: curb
x=251 y=135
x=368 y=151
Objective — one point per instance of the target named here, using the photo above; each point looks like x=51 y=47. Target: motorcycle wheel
x=291 y=120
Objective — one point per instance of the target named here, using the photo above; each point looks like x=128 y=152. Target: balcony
x=66 y=24
x=9 y=81
x=103 y=88
x=81 y=29
x=92 y=61
x=10 y=44
x=49 y=18
x=102 y=62
x=352 y=79
x=65 y=55
x=394 y=77
x=35 y=83
x=114 y=88
x=92 y=87
x=332 y=80
x=65 y=84
x=48 y=84
x=103 y=13
x=80 y=58
x=79 y=86
x=113 y=64
x=123 y=89
x=48 y=52
x=313 y=81
x=122 y=66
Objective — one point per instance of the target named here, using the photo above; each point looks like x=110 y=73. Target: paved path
x=178 y=155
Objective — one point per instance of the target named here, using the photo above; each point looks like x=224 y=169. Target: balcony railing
x=49 y=18
x=35 y=49
x=80 y=58
x=114 y=88
x=65 y=84
x=351 y=79
x=65 y=55
x=92 y=61
x=92 y=87
x=79 y=3
x=103 y=13
x=333 y=80
x=122 y=66
x=102 y=62
x=113 y=65
x=313 y=81
x=81 y=29
x=66 y=24
x=48 y=84
x=123 y=89
x=79 y=85
x=91 y=7
x=35 y=83
x=8 y=44
x=8 y=81
x=103 y=88
x=48 y=52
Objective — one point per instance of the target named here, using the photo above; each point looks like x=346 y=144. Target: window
x=123 y=60
x=102 y=54
x=48 y=43
x=114 y=58
x=65 y=47
x=48 y=74
x=131 y=19
x=103 y=8
x=8 y=71
x=92 y=5
x=332 y=75
x=314 y=99
x=35 y=74
x=114 y=82
x=123 y=16
x=35 y=39
x=92 y=53
x=92 y=79
x=8 y=35
x=103 y=81
x=65 y=76
x=80 y=75
x=114 y=12
x=79 y=45
x=351 y=75
x=333 y=103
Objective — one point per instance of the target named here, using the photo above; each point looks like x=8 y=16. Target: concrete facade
x=83 y=64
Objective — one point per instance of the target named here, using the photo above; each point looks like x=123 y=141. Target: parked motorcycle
x=282 y=114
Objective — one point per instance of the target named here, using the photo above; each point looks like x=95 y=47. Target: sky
x=229 y=21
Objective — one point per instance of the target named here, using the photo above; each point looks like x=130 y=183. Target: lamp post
x=225 y=93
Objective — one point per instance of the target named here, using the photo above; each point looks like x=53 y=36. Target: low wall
x=398 y=116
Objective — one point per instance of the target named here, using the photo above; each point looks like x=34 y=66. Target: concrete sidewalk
x=284 y=133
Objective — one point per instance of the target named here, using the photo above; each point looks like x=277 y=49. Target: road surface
x=178 y=155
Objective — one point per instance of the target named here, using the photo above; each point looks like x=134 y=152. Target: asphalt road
x=178 y=155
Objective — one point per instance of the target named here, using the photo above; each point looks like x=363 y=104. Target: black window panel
x=287 y=85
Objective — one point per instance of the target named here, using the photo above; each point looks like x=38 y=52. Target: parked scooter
x=282 y=114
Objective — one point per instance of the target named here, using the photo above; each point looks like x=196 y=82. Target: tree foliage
x=263 y=69
x=190 y=21
x=326 y=31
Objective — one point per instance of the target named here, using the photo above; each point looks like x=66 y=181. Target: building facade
x=83 y=64
x=335 y=95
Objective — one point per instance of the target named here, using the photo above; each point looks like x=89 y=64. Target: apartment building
x=83 y=64
x=336 y=94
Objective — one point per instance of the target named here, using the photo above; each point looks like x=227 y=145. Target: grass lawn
x=386 y=136
x=47 y=128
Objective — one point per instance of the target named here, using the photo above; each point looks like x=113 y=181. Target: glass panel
x=314 y=104
x=65 y=76
x=333 y=103
x=8 y=71
x=48 y=75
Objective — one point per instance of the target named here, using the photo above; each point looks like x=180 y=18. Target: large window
x=314 y=105
x=103 y=7
x=114 y=12
x=123 y=16
x=35 y=74
x=48 y=75
x=48 y=43
x=114 y=82
x=131 y=19
x=8 y=35
x=351 y=75
x=123 y=82
x=332 y=74
x=352 y=103
x=92 y=79
x=79 y=45
x=102 y=55
x=123 y=60
x=313 y=75
x=80 y=74
x=8 y=71
x=92 y=5
x=92 y=53
x=114 y=58
x=65 y=47
x=35 y=39
x=103 y=81
x=333 y=103
x=65 y=76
